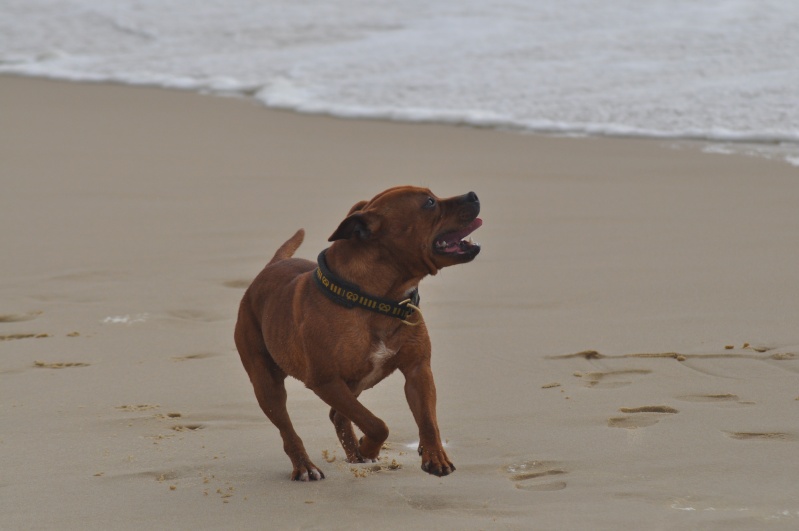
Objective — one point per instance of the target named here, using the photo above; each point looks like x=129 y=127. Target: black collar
x=351 y=296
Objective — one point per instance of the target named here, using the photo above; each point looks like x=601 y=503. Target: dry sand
x=133 y=218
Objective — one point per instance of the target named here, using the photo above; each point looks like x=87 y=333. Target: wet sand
x=621 y=355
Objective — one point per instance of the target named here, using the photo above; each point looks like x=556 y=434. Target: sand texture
x=623 y=354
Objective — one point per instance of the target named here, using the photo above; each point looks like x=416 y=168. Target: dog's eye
x=430 y=203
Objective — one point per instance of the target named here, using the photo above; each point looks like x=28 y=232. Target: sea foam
x=709 y=70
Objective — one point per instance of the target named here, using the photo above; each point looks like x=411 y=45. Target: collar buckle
x=407 y=303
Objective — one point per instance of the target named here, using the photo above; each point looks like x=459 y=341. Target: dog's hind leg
x=268 y=381
x=346 y=437
x=270 y=391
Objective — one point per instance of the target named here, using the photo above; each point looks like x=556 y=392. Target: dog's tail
x=287 y=249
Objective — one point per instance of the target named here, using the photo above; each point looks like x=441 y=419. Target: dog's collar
x=351 y=296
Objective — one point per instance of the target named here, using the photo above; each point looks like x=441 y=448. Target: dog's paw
x=368 y=449
x=309 y=472
x=436 y=462
x=357 y=458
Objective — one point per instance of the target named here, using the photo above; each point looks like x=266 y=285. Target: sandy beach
x=623 y=354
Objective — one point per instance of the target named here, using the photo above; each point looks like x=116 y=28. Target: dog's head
x=415 y=227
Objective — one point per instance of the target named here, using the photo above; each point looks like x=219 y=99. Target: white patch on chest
x=378 y=357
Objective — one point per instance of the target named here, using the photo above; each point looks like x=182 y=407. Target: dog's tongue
x=461 y=234
x=454 y=241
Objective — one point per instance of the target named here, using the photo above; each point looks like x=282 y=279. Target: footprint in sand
x=188 y=427
x=366 y=470
x=163 y=475
x=173 y=415
x=536 y=475
x=198 y=356
x=18 y=317
x=13 y=337
x=640 y=417
x=725 y=399
x=761 y=436
x=611 y=379
x=58 y=365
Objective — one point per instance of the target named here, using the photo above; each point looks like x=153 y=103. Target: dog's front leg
x=339 y=396
x=421 y=394
x=346 y=436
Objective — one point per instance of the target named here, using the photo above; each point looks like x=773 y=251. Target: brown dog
x=345 y=324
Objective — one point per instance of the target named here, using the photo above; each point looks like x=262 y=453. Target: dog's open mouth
x=458 y=242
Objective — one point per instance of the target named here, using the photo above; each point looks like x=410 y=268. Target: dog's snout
x=468 y=206
x=468 y=199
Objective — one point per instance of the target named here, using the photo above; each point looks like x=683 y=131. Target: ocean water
x=720 y=70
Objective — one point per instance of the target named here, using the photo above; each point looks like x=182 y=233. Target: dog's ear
x=357 y=206
x=360 y=224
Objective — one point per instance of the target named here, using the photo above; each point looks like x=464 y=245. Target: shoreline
x=138 y=216
x=770 y=148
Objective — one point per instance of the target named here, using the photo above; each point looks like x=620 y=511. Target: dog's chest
x=378 y=358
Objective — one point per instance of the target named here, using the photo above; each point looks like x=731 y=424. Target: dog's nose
x=472 y=197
